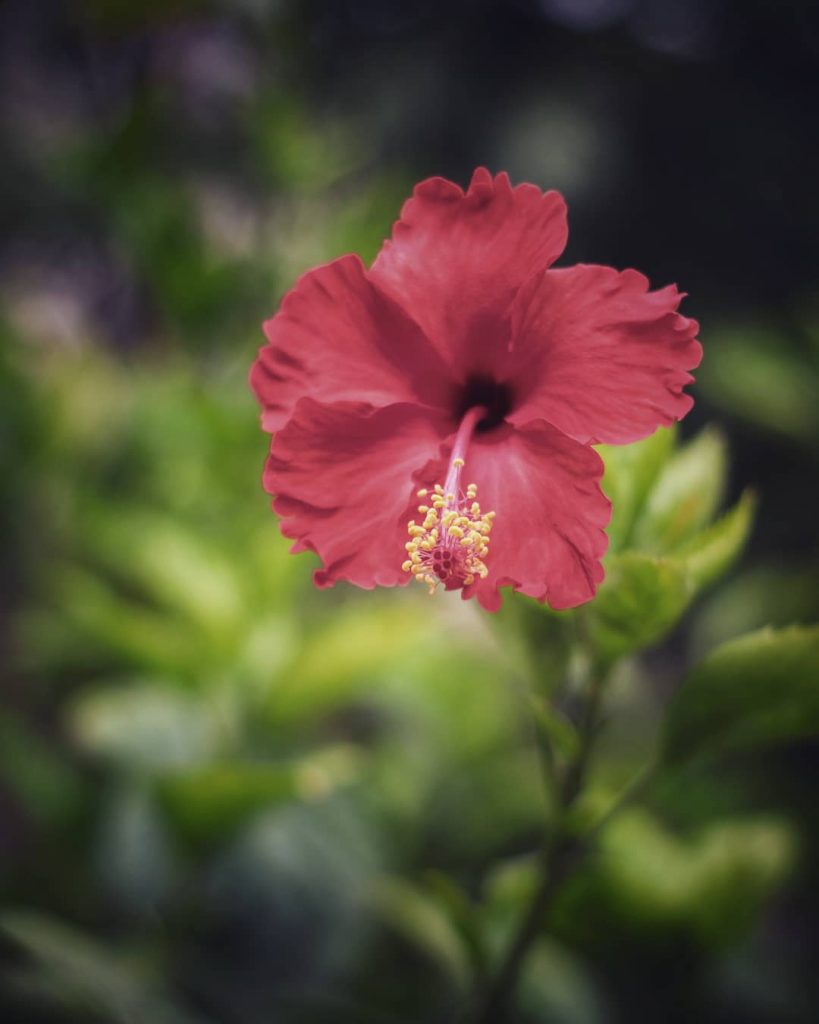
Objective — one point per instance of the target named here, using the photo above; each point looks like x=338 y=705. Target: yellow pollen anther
x=448 y=547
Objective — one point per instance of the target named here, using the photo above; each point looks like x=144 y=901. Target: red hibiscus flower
x=461 y=354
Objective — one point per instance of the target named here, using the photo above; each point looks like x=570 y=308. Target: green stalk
x=560 y=856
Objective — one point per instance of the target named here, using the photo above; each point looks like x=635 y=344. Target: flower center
x=449 y=545
x=495 y=397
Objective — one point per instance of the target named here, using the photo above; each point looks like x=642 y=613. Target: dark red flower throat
x=495 y=397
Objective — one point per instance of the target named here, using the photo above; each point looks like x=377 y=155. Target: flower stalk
x=561 y=854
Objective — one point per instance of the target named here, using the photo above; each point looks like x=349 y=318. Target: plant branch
x=561 y=854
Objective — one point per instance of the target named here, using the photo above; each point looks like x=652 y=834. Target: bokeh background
x=226 y=798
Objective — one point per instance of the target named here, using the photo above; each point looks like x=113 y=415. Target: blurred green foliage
x=343 y=780
x=762 y=377
x=665 y=546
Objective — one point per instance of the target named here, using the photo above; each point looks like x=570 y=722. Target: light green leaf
x=685 y=497
x=147 y=725
x=631 y=470
x=713 y=882
x=558 y=986
x=346 y=656
x=101 y=623
x=641 y=598
x=507 y=887
x=170 y=563
x=714 y=550
x=751 y=693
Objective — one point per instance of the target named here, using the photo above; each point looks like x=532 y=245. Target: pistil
x=449 y=545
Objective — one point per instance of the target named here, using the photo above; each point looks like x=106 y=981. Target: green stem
x=560 y=856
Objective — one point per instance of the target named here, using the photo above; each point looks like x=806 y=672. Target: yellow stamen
x=449 y=546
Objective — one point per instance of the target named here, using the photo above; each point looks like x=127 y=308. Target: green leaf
x=751 y=693
x=685 y=496
x=213 y=801
x=176 y=568
x=346 y=656
x=714 y=550
x=101 y=624
x=70 y=970
x=641 y=598
x=753 y=372
x=210 y=802
x=776 y=594
x=148 y=726
x=461 y=911
x=558 y=986
x=631 y=470
x=508 y=886
x=423 y=921
x=713 y=882
x=48 y=785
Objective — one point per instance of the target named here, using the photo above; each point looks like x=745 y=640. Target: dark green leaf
x=752 y=372
x=424 y=921
x=69 y=969
x=212 y=802
x=751 y=693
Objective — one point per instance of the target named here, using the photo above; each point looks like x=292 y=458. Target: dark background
x=684 y=135
x=168 y=169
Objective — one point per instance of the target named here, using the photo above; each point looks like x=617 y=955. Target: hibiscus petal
x=344 y=476
x=456 y=261
x=600 y=356
x=337 y=337
x=548 y=534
